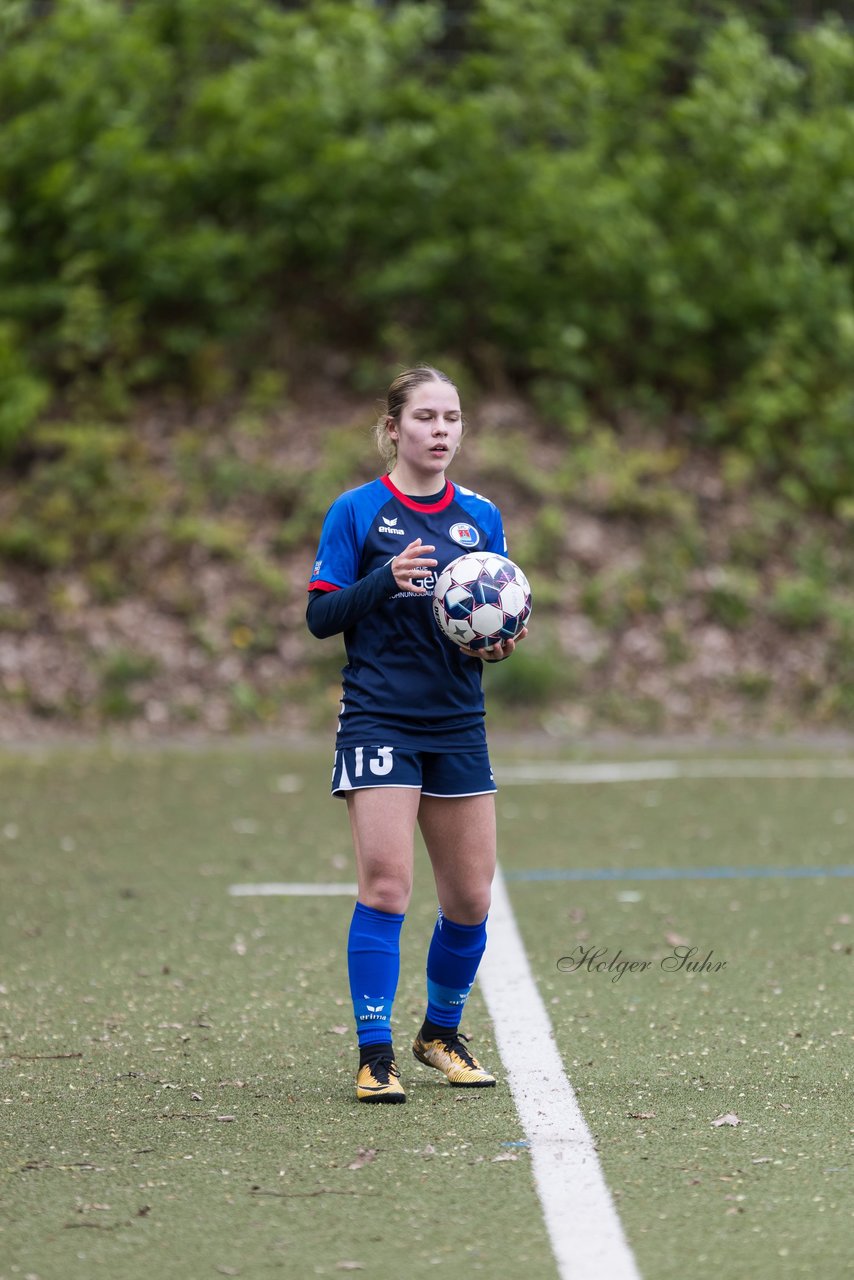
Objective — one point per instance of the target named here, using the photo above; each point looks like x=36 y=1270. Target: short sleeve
x=337 y=561
x=487 y=517
x=497 y=538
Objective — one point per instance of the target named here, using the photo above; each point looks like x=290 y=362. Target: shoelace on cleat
x=454 y=1044
x=382 y=1069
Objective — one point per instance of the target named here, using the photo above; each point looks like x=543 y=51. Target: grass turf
x=208 y=1125
x=207 y=1122
x=657 y=1054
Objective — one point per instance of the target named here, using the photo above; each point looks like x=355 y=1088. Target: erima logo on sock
x=372 y=1012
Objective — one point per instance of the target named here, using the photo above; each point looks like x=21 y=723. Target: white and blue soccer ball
x=481 y=598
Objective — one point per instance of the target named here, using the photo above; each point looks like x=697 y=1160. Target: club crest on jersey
x=465 y=535
x=389 y=526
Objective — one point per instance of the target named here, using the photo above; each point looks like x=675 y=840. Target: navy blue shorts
x=433 y=773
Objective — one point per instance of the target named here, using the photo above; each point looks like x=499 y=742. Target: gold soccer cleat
x=379 y=1081
x=449 y=1055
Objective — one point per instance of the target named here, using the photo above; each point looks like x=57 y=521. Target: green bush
x=87 y=498
x=732 y=597
x=800 y=603
x=121 y=670
x=537 y=676
x=639 y=203
x=22 y=395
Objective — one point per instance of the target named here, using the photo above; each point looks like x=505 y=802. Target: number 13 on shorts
x=433 y=773
x=357 y=767
x=379 y=765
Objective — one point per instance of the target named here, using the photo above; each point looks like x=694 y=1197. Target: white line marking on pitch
x=664 y=770
x=585 y=1231
x=292 y=890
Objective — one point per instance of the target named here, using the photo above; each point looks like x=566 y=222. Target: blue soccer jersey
x=405 y=684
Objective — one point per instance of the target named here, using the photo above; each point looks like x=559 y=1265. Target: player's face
x=428 y=434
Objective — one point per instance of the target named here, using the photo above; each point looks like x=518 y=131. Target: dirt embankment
x=675 y=592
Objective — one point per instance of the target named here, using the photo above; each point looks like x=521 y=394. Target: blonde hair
x=396 y=400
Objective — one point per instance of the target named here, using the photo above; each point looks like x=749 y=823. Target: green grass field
x=177 y=1063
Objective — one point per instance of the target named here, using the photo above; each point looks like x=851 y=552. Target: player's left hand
x=498 y=652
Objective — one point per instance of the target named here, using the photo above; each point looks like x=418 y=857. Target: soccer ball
x=481 y=598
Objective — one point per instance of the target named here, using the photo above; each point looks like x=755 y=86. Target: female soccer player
x=411 y=745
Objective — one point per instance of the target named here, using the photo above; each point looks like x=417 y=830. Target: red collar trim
x=439 y=505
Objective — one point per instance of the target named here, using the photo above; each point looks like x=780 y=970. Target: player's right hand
x=497 y=652
x=412 y=565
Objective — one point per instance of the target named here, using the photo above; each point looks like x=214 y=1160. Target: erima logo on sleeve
x=388 y=526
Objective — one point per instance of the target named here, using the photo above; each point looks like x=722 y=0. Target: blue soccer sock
x=452 y=962
x=373 y=961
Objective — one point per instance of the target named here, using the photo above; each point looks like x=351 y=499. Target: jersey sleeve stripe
x=320 y=585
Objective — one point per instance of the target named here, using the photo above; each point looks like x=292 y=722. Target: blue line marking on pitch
x=682 y=873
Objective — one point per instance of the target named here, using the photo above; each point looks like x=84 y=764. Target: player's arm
x=330 y=612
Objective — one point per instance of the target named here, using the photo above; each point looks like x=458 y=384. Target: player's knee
x=470 y=908
x=387 y=892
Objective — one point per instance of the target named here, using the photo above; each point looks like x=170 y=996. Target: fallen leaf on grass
x=299 y=1195
x=641 y=1115
x=96 y=1226
x=339 y=1031
x=363 y=1156
x=349 y=1266
x=505 y=1155
x=38 y=1057
x=728 y=1118
x=675 y=939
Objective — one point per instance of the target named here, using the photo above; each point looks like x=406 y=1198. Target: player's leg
x=382 y=821
x=460 y=836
